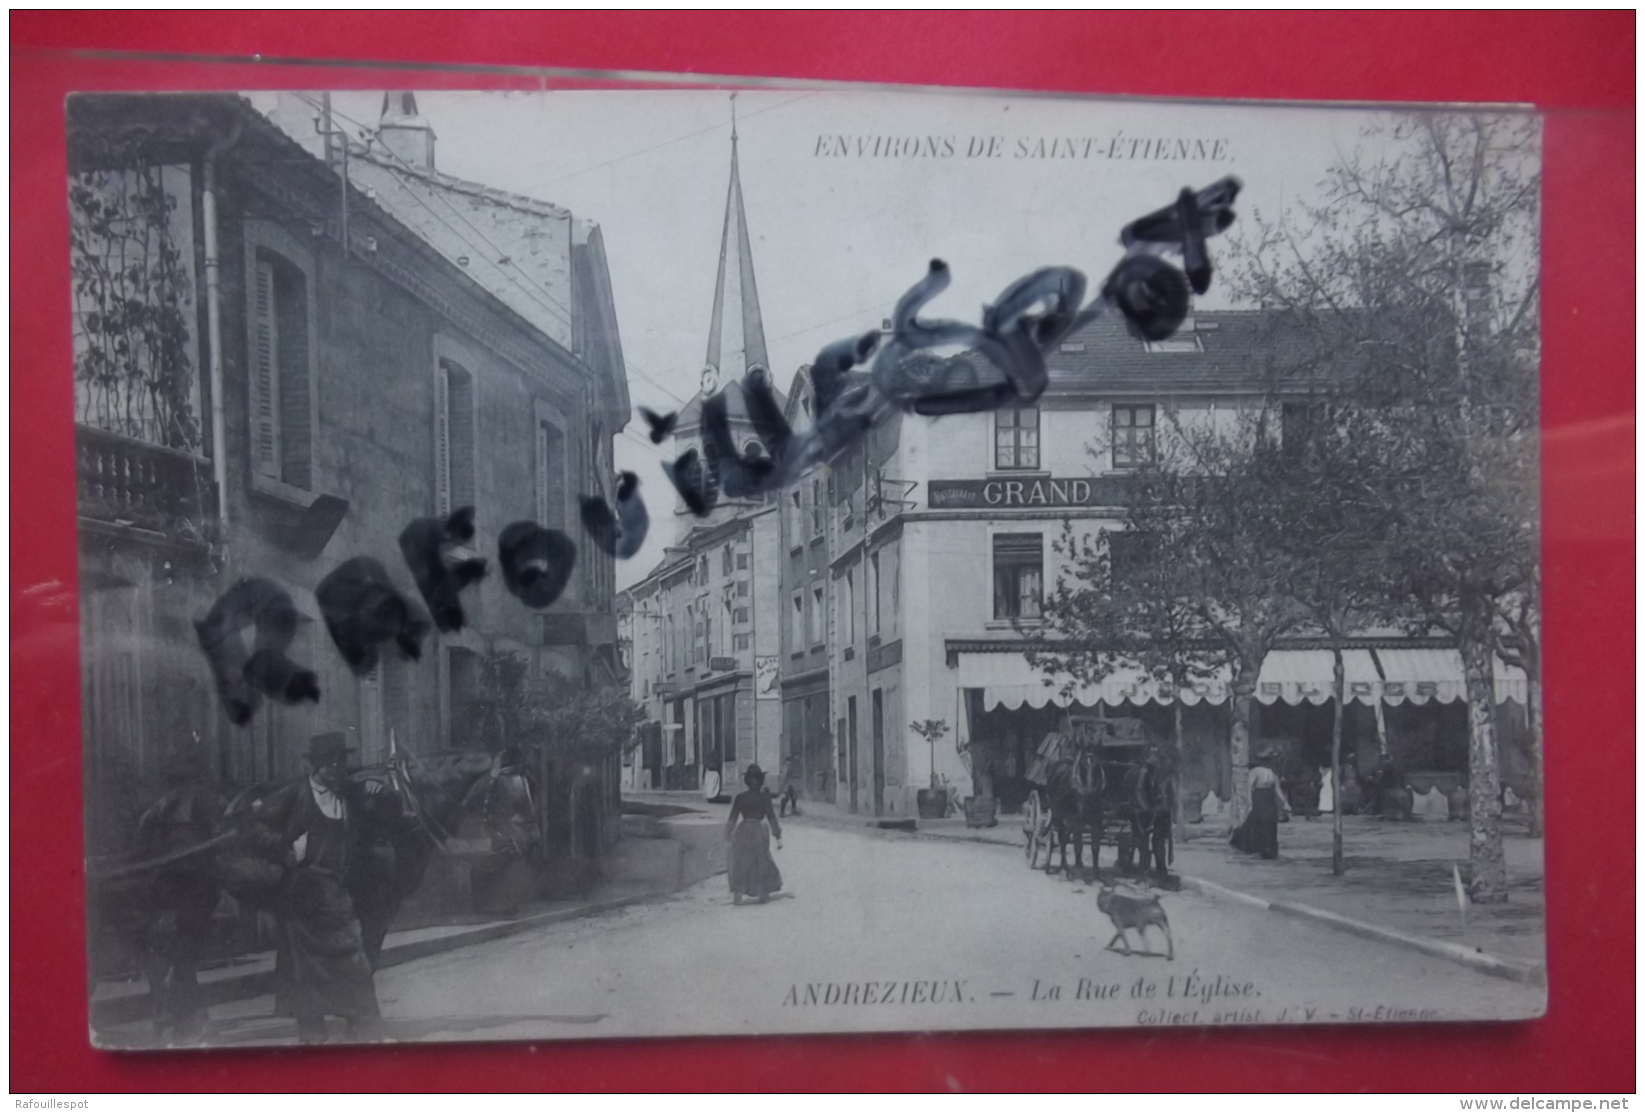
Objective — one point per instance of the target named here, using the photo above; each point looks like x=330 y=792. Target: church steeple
x=736 y=334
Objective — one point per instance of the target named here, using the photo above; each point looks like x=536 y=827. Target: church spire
x=736 y=334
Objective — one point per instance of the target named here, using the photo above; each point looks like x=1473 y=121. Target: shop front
x=1404 y=706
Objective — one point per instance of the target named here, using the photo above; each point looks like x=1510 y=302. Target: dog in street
x=1130 y=908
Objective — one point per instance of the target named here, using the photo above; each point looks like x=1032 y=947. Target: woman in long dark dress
x=1259 y=834
x=753 y=872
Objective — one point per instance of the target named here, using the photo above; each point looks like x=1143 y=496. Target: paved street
x=881 y=918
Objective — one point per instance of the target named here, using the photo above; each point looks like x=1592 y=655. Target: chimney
x=403 y=133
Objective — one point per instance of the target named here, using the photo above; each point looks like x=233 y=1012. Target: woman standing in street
x=753 y=872
x=1259 y=834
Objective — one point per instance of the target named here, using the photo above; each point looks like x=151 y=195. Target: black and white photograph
x=583 y=564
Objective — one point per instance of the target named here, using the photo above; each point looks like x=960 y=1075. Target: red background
x=1580 y=66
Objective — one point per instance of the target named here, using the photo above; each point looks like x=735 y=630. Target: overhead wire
x=551 y=303
x=676 y=139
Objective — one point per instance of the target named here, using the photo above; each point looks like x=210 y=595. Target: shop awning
x=1420 y=675
x=1291 y=676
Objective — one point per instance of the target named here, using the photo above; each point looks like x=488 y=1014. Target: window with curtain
x=1017 y=438
x=1132 y=435
x=1019 y=578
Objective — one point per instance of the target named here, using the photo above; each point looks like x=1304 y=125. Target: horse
x=191 y=852
x=1149 y=789
x=1075 y=790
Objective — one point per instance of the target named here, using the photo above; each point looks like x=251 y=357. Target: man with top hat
x=321 y=967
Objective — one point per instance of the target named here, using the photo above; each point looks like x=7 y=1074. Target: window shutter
x=372 y=739
x=542 y=474
x=463 y=490
x=266 y=448
x=442 y=440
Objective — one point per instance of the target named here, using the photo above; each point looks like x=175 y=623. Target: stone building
x=706 y=618
x=943 y=551
x=805 y=601
x=294 y=403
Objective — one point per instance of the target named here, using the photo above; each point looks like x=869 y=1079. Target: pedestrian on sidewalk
x=321 y=968
x=752 y=871
x=1259 y=834
x=790 y=798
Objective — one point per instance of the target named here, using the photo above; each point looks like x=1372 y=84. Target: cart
x=1120 y=745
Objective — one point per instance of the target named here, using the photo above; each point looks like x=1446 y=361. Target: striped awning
x=1420 y=675
x=1291 y=676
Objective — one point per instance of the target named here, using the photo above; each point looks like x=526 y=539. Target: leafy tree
x=1411 y=292
x=1332 y=490
x=553 y=712
x=586 y=722
x=1199 y=584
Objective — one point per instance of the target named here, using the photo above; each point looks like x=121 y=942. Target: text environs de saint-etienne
x=1118 y=147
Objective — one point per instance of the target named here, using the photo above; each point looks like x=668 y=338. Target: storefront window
x=1019 y=579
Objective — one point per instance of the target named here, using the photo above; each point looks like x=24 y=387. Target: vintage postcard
x=583 y=564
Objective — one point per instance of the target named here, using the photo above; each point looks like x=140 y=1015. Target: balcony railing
x=126 y=482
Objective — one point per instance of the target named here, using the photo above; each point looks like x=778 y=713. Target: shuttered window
x=295 y=378
x=454 y=438
x=551 y=471
x=282 y=382
x=265 y=376
x=373 y=736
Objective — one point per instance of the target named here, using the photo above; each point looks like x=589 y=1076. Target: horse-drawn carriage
x=1094 y=784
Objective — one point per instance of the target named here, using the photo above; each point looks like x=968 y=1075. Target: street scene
x=859 y=920
x=503 y=617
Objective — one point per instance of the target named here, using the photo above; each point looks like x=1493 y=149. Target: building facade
x=805 y=602
x=706 y=626
x=944 y=546
x=355 y=389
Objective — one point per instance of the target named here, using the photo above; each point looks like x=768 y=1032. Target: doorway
x=879 y=751
x=851 y=746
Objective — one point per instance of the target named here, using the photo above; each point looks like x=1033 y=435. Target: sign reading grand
x=986 y=494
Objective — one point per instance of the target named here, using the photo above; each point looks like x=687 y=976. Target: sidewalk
x=125 y=1001
x=1398 y=875
x=1398 y=880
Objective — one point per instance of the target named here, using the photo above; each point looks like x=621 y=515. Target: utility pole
x=329 y=131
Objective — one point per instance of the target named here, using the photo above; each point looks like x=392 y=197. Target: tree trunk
x=1490 y=871
x=1533 y=719
x=1339 y=690
x=1239 y=747
x=1176 y=764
